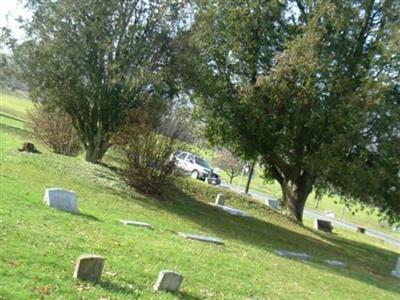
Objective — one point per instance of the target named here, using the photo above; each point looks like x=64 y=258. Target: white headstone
x=136 y=223
x=61 y=199
x=396 y=271
x=201 y=238
x=220 y=200
x=89 y=267
x=168 y=281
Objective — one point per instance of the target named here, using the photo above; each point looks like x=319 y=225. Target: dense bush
x=145 y=145
x=55 y=129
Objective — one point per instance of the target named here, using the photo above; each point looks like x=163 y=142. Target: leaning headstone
x=202 y=238
x=61 y=199
x=168 y=281
x=89 y=267
x=335 y=263
x=292 y=254
x=220 y=200
x=361 y=230
x=323 y=225
x=396 y=271
x=136 y=223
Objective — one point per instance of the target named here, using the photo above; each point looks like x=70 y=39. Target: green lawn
x=14 y=105
x=38 y=245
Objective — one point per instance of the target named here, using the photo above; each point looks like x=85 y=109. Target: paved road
x=312 y=214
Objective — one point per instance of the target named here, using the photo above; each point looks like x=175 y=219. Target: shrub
x=145 y=147
x=55 y=129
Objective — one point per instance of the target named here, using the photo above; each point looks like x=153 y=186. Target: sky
x=9 y=11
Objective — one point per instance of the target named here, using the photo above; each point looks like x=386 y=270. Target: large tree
x=310 y=87
x=97 y=59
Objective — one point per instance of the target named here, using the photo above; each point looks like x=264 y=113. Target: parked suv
x=197 y=167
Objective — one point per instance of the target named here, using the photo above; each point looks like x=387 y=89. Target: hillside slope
x=38 y=245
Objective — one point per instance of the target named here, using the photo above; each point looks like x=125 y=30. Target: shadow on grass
x=366 y=263
x=88 y=217
x=183 y=295
x=114 y=287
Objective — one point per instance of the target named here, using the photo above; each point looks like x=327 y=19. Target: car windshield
x=202 y=163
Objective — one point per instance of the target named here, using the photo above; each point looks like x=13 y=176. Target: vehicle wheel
x=195 y=174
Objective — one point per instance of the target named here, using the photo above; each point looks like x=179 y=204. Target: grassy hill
x=38 y=245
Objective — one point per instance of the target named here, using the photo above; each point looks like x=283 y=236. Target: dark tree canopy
x=311 y=88
x=98 y=59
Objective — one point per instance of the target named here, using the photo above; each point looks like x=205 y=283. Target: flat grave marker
x=136 y=223
x=293 y=254
x=202 y=238
x=232 y=211
x=335 y=263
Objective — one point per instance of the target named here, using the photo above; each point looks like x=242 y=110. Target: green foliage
x=145 y=145
x=39 y=245
x=311 y=90
x=97 y=59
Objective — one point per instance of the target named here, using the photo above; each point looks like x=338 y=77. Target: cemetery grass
x=363 y=217
x=39 y=245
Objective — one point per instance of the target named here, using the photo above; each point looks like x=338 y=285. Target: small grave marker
x=89 y=267
x=201 y=238
x=292 y=254
x=323 y=225
x=273 y=203
x=168 y=281
x=335 y=263
x=136 y=223
x=361 y=230
x=61 y=199
x=220 y=200
x=396 y=271
x=329 y=214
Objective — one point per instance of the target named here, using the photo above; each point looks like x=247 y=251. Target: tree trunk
x=96 y=149
x=249 y=178
x=295 y=193
x=230 y=179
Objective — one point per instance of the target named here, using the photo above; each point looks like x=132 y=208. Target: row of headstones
x=90 y=267
x=326 y=226
x=66 y=200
